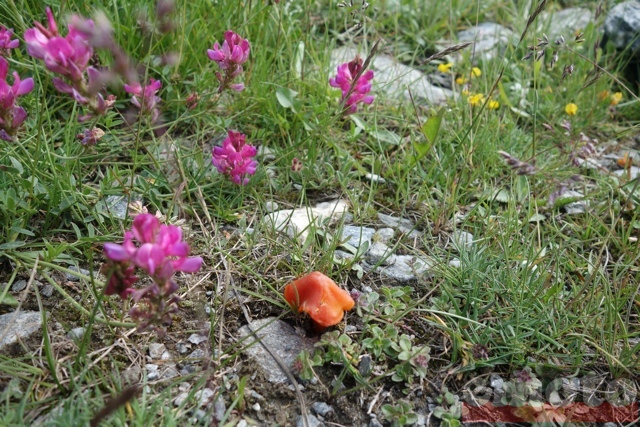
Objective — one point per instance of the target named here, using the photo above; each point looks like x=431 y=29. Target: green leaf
x=387 y=136
x=16 y=164
x=12 y=245
x=287 y=98
x=430 y=130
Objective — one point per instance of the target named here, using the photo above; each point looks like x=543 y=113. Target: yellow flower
x=493 y=105
x=571 y=109
x=616 y=98
x=461 y=80
x=476 y=99
x=444 y=68
x=475 y=72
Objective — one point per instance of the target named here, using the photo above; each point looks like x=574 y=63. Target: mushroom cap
x=319 y=297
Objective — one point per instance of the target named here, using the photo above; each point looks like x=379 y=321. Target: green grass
x=561 y=295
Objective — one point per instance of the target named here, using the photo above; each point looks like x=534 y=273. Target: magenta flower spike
x=354 y=91
x=69 y=57
x=235 y=158
x=6 y=43
x=161 y=252
x=230 y=56
x=11 y=115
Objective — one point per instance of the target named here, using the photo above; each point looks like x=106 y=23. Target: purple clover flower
x=353 y=91
x=6 y=43
x=230 y=56
x=235 y=158
x=11 y=115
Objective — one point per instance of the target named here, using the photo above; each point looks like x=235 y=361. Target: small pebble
x=47 y=291
x=313 y=421
x=180 y=399
x=321 y=408
x=242 y=423
x=183 y=348
x=256 y=407
x=73 y=278
x=169 y=372
x=219 y=408
x=19 y=286
x=152 y=372
x=197 y=354
x=76 y=334
x=197 y=339
x=270 y=206
x=204 y=396
x=156 y=350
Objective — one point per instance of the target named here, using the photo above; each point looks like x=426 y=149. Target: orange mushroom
x=319 y=297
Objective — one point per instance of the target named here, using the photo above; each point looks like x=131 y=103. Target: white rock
x=393 y=78
x=203 y=396
x=380 y=254
x=404 y=266
x=270 y=206
x=462 y=240
x=490 y=40
x=180 y=399
x=456 y=263
x=632 y=173
x=297 y=223
x=564 y=22
x=152 y=372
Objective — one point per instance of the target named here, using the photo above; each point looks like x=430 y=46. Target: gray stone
x=73 y=278
x=632 y=173
x=402 y=224
x=355 y=235
x=384 y=235
x=204 y=396
x=622 y=26
x=564 y=22
x=266 y=154
x=403 y=268
x=574 y=207
x=152 y=372
x=380 y=254
x=168 y=372
x=183 y=348
x=393 y=78
x=490 y=40
x=19 y=285
x=281 y=338
x=462 y=240
x=201 y=415
x=422 y=419
x=156 y=350
x=76 y=334
x=117 y=206
x=321 y=408
x=313 y=421
x=197 y=354
x=47 y=291
x=271 y=206
x=18 y=328
x=219 y=408
x=180 y=399
x=298 y=223
x=188 y=370
x=364 y=367
x=197 y=339
x=339 y=255
x=375 y=423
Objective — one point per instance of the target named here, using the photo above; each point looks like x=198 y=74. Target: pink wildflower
x=161 y=253
x=234 y=158
x=230 y=56
x=69 y=58
x=11 y=115
x=6 y=44
x=145 y=98
x=353 y=91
